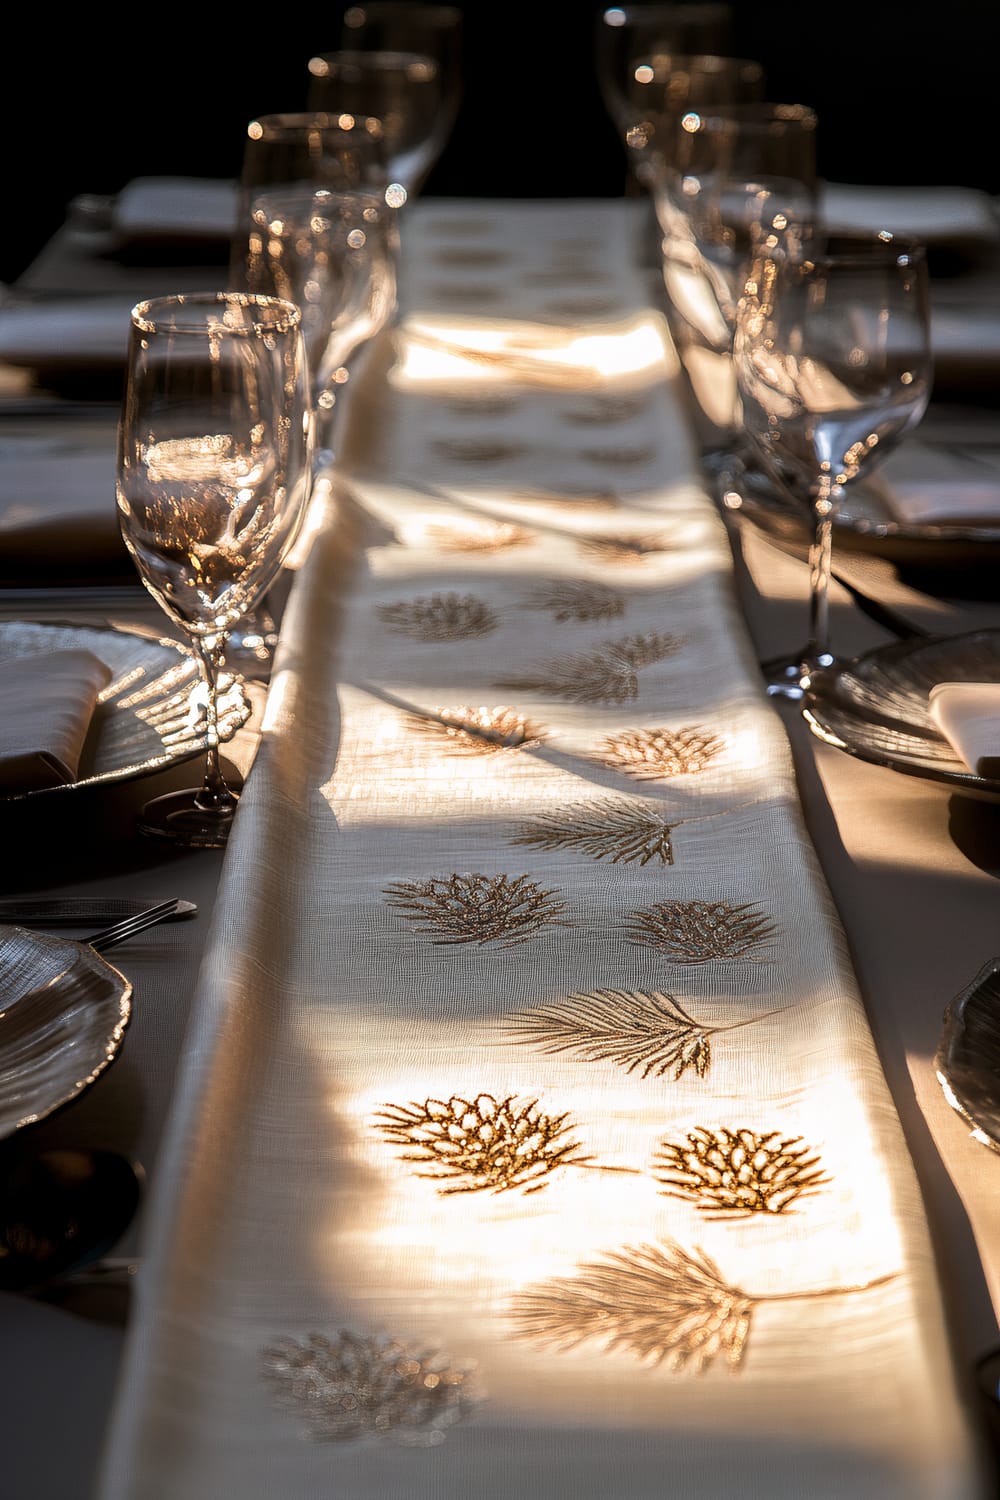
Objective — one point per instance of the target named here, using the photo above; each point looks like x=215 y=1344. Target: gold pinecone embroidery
x=478 y=908
x=730 y=1173
x=614 y=829
x=692 y=932
x=574 y=599
x=440 y=617
x=483 y=536
x=624 y=549
x=354 y=1386
x=482 y=1144
x=607 y=674
x=648 y=1033
x=649 y=753
x=479 y=731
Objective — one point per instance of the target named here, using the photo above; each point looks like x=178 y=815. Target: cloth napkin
x=65 y=333
x=968 y=715
x=175 y=209
x=48 y=704
x=924 y=485
x=58 y=516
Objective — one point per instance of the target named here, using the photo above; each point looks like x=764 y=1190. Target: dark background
x=905 y=93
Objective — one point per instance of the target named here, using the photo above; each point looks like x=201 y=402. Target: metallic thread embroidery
x=614 y=829
x=482 y=1144
x=607 y=674
x=574 y=599
x=660 y=1303
x=692 y=932
x=440 y=617
x=479 y=731
x=351 y=1386
x=483 y=536
x=624 y=549
x=645 y=1032
x=478 y=450
x=478 y=908
x=649 y=753
x=732 y=1173
x=620 y=456
x=648 y=1032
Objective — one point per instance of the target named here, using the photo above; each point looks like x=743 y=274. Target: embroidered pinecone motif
x=482 y=1144
x=353 y=1386
x=650 y=753
x=729 y=1173
x=607 y=674
x=478 y=450
x=479 y=731
x=573 y=599
x=692 y=932
x=607 y=829
x=440 y=617
x=478 y=908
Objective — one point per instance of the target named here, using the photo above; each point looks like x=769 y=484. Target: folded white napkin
x=66 y=333
x=922 y=485
x=175 y=208
x=57 y=503
x=957 y=217
x=968 y=715
x=48 y=704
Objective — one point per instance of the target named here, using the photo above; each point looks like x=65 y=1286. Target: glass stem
x=214 y=795
x=820 y=562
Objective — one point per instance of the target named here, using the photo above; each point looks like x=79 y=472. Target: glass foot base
x=794 y=676
x=178 y=819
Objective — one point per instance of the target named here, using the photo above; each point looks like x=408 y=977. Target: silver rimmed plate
x=62 y=1021
x=148 y=717
x=878 y=706
x=967 y=1062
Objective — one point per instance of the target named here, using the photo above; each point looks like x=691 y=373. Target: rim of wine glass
x=865 y=248
x=767 y=111
x=294 y=197
x=378 y=60
x=289 y=125
x=277 y=315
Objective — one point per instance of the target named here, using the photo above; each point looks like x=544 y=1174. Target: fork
x=120 y=932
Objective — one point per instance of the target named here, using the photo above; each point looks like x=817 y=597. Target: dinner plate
x=148 y=716
x=877 y=707
x=967 y=1061
x=62 y=1021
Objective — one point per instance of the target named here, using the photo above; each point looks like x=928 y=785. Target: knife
x=77 y=911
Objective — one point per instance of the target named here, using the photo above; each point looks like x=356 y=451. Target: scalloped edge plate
x=148 y=717
x=62 y=1022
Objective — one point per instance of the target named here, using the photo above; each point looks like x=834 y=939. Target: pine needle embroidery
x=463 y=730
x=495 y=536
x=613 y=828
x=733 y=1173
x=478 y=908
x=624 y=549
x=440 y=617
x=661 y=1303
x=353 y=1386
x=642 y=1031
x=482 y=1144
x=648 y=754
x=607 y=674
x=693 y=932
x=574 y=599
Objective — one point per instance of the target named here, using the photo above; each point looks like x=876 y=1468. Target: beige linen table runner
x=530 y=1137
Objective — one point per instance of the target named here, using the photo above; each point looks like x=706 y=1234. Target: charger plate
x=967 y=1061
x=877 y=707
x=65 y=1010
x=148 y=717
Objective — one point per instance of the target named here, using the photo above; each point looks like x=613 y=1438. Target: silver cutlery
x=81 y=911
x=120 y=932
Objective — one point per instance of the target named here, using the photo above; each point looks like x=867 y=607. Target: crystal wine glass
x=214 y=473
x=834 y=368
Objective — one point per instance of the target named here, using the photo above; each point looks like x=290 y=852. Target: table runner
x=530 y=1137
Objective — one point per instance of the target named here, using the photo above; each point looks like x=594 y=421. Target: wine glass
x=334 y=255
x=430 y=30
x=834 y=368
x=213 y=477
x=401 y=98
x=723 y=172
